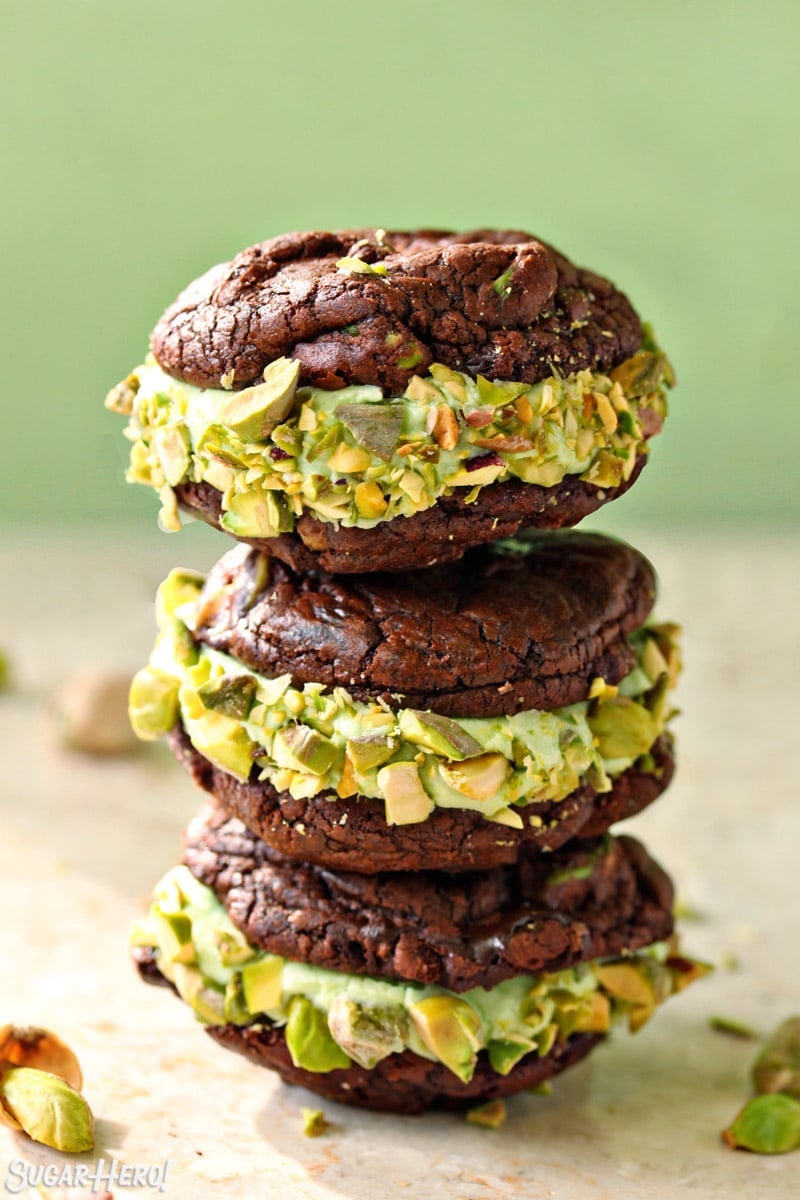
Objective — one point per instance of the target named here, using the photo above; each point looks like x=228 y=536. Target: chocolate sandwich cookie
x=400 y=991
x=437 y=719
x=366 y=400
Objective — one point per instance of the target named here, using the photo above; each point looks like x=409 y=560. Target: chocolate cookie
x=403 y=1083
x=443 y=719
x=353 y=834
x=399 y=992
x=492 y=302
x=594 y=899
x=373 y=401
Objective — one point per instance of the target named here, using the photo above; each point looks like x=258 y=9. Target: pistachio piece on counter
x=377 y=427
x=309 y=1039
x=5 y=672
x=254 y=412
x=232 y=695
x=736 y=1029
x=405 y=798
x=768 y=1124
x=367 y=1034
x=314 y=1122
x=479 y=778
x=261 y=983
x=152 y=703
x=439 y=734
x=30 y=1046
x=490 y=1115
x=91 y=712
x=777 y=1068
x=45 y=1107
x=451 y=1029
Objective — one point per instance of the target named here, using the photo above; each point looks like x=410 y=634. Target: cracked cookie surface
x=367 y=306
x=594 y=899
x=496 y=632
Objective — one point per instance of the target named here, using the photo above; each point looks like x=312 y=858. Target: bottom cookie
x=403 y=1083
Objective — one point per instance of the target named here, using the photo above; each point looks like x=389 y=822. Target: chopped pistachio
x=261 y=982
x=300 y=748
x=502 y=285
x=777 y=1068
x=255 y=412
x=406 y=800
x=367 y=1034
x=622 y=728
x=451 y=1030
x=768 y=1124
x=375 y=426
x=231 y=695
x=479 y=778
x=309 y=1040
x=5 y=672
x=735 y=1029
x=357 y=266
x=439 y=734
x=46 y=1108
x=314 y=1122
x=152 y=703
x=490 y=1115
x=371 y=750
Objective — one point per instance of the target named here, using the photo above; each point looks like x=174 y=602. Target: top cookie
x=321 y=386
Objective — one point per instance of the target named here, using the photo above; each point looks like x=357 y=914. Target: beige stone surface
x=83 y=839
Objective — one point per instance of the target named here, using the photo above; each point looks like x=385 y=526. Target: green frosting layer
x=357 y=457
x=311 y=739
x=332 y=1018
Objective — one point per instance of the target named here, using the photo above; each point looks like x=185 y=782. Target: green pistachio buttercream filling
x=310 y=739
x=332 y=1019
x=357 y=457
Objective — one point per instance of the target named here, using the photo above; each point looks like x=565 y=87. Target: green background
x=655 y=142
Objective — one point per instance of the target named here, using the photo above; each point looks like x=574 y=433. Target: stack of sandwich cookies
x=403 y=892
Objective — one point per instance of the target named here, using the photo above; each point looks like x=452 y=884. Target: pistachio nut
x=490 y=1115
x=261 y=983
x=376 y=427
x=91 y=712
x=152 y=703
x=405 y=798
x=46 y=1108
x=309 y=1039
x=768 y=1124
x=439 y=734
x=314 y=1122
x=254 y=412
x=777 y=1068
x=367 y=1034
x=451 y=1029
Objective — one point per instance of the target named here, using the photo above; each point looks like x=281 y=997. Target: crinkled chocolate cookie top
x=514 y=626
x=373 y=307
x=546 y=913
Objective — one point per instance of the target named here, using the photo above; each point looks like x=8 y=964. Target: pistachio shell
x=30 y=1046
x=777 y=1068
